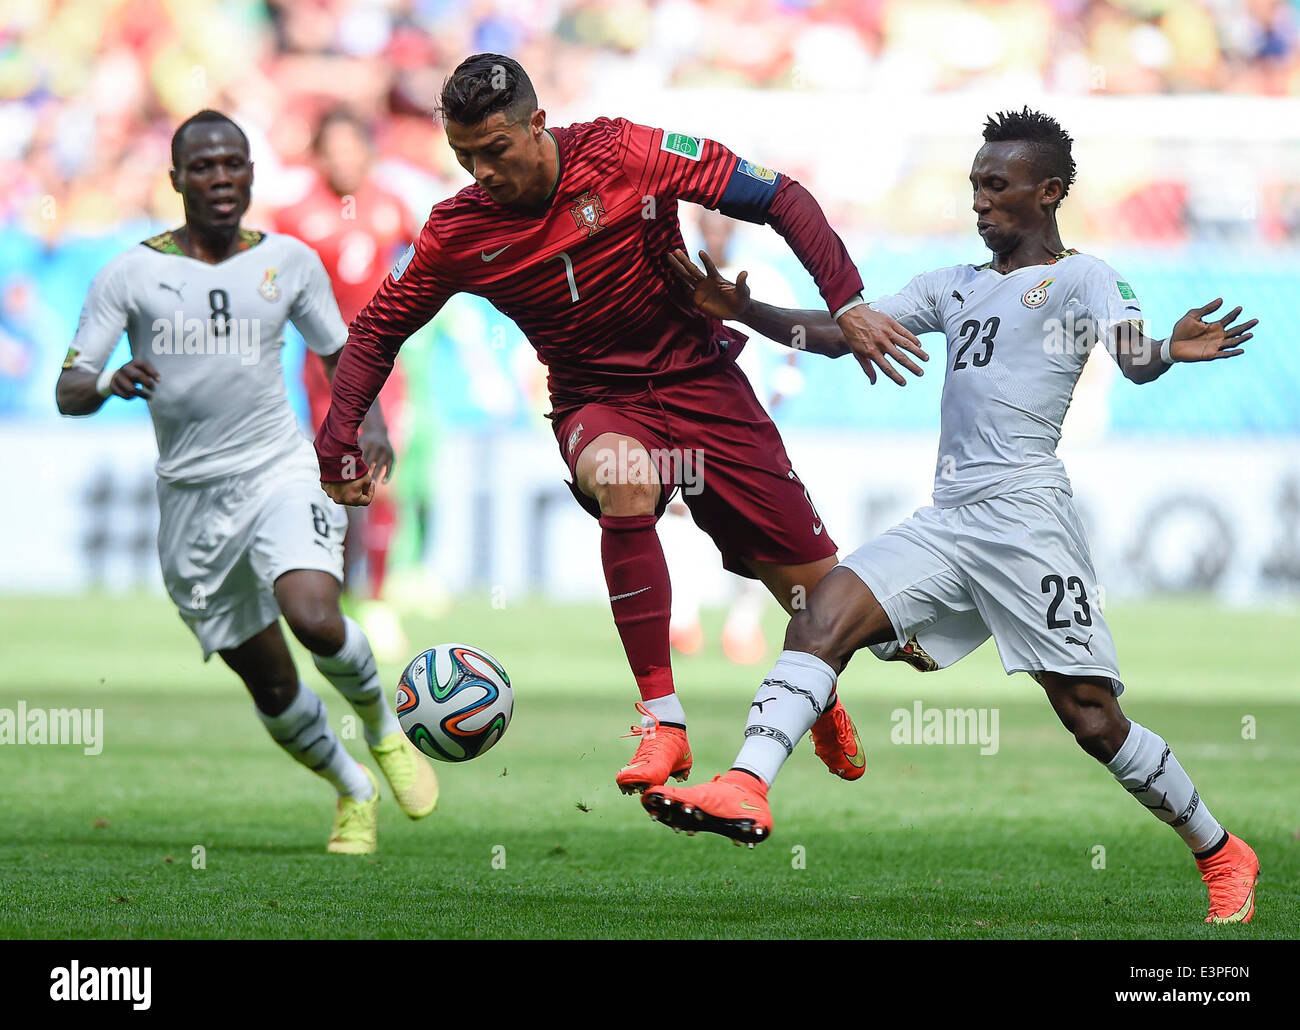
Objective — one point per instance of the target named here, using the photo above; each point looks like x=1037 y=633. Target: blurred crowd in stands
x=90 y=90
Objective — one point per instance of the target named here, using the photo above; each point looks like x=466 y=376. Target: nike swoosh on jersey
x=495 y=254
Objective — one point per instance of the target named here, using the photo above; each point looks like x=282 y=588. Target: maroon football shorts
x=711 y=439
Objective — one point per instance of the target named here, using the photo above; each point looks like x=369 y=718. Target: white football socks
x=353 y=673
x=791 y=699
x=665 y=709
x=304 y=732
x=1147 y=769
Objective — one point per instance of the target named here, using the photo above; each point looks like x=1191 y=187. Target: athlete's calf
x=309 y=601
x=1088 y=709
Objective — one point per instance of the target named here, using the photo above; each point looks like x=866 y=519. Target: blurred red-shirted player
x=568 y=231
x=358 y=228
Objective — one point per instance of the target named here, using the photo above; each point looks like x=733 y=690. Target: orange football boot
x=836 y=741
x=1230 y=873
x=664 y=751
x=733 y=805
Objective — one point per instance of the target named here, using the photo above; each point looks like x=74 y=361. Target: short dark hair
x=204 y=117
x=340 y=116
x=484 y=84
x=1049 y=143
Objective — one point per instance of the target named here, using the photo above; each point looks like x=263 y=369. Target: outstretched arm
x=1143 y=360
x=810 y=329
x=872 y=337
x=410 y=296
x=703 y=171
x=376 y=449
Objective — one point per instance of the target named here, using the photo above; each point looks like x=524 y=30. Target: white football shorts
x=223 y=544
x=1016 y=567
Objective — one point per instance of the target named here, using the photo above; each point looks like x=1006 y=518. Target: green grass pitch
x=935 y=841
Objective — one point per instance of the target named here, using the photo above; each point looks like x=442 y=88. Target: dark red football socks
x=640 y=597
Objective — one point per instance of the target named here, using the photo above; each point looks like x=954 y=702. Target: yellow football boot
x=409 y=773
x=356 y=823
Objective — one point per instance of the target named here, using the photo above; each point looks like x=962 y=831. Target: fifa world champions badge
x=1037 y=297
x=587 y=211
x=270 y=289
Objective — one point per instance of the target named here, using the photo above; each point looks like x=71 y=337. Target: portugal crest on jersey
x=1037 y=297
x=270 y=289
x=587 y=211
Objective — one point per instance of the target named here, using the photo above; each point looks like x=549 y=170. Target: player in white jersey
x=1002 y=551
x=245 y=533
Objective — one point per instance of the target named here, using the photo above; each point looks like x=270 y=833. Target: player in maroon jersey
x=357 y=227
x=568 y=231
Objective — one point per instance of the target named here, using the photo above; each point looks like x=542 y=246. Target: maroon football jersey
x=585 y=277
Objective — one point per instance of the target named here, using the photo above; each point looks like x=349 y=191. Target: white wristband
x=852 y=303
x=1165 y=354
x=104 y=384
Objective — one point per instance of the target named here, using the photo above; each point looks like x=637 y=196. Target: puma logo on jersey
x=495 y=254
x=573 y=439
x=1085 y=644
x=759 y=704
x=959 y=298
x=174 y=289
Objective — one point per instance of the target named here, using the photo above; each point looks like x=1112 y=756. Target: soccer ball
x=454 y=702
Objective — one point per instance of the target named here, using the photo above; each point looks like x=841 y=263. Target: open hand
x=1195 y=339
x=873 y=338
x=710 y=292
